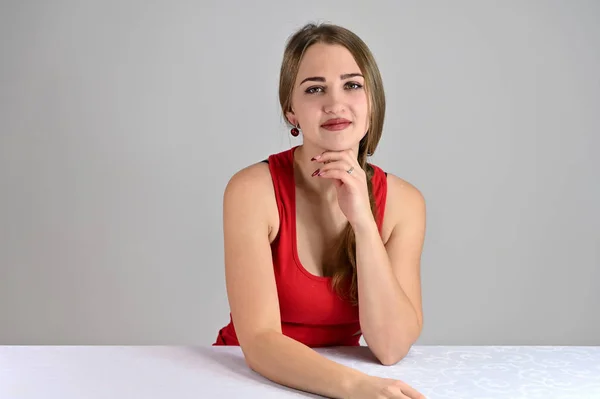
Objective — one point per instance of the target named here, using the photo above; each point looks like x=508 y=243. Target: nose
x=333 y=103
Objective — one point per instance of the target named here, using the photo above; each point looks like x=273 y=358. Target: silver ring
x=349 y=171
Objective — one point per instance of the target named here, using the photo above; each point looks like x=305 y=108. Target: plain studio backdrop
x=122 y=121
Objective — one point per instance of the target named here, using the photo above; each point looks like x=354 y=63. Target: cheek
x=360 y=108
x=360 y=104
x=305 y=103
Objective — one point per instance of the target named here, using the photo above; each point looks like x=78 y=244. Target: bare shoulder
x=401 y=190
x=257 y=173
x=251 y=188
x=405 y=204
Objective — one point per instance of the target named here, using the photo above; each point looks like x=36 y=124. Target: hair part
x=341 y=263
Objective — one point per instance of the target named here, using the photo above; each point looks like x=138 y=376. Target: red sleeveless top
x=311 y=312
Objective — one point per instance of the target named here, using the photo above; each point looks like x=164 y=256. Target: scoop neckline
x=294 y=235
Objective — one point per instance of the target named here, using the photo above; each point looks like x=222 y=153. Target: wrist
x=367 y=225
x=352 y=381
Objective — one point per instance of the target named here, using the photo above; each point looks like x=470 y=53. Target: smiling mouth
x=336 y=126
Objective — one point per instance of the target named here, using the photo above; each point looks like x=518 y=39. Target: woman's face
x=329 y=100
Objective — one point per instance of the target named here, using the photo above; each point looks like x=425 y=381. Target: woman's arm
x=389 y=288
x=249 y=207
x=289 y=362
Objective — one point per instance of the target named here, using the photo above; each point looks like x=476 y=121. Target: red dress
x=311 y=312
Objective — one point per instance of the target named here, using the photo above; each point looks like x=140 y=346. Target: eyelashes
x=320 y=89
x=356 y=85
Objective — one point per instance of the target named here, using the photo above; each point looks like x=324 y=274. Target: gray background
x=121 y=122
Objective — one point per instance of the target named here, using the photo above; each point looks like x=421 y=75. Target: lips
x=336 y=124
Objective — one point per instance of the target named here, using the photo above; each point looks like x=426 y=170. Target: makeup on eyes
x=358 y=86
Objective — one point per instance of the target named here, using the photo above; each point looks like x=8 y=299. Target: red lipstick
x=336 y=124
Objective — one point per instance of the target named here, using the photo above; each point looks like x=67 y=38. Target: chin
x=339 y=142
x=338 y=146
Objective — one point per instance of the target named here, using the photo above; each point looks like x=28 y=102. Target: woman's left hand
x=350 y=182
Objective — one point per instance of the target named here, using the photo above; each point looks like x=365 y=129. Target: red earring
x=295 y=132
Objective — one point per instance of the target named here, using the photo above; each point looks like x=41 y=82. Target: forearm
x=288 y=362
x=388 y=320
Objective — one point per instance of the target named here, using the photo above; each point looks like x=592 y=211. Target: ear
x=291 y=117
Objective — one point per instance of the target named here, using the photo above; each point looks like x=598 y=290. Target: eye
x=353 y=85
x=314 y=89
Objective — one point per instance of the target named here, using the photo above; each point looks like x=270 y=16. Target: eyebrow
x=322 y=79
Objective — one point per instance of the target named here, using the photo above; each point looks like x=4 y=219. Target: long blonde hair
x=341 y=264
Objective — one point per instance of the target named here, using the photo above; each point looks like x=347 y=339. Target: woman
x=321 y=246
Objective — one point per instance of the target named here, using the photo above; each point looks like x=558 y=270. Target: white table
x=151 y=372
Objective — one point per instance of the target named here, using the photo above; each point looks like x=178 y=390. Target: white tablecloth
x=149 y=372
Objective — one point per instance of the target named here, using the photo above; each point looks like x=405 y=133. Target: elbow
x=252 y=358
x=392 y=356
x=396 y=349
x=252 y=365
x=255 y=346
x=249 y=357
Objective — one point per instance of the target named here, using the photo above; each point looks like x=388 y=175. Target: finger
x=337 y=165
x=340 y=160
x=330 y=156
x=327 y=156
x=395 y=393
x=342 y=175
x=411 y=392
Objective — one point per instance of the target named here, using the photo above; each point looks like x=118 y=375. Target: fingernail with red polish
x=316 y=172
